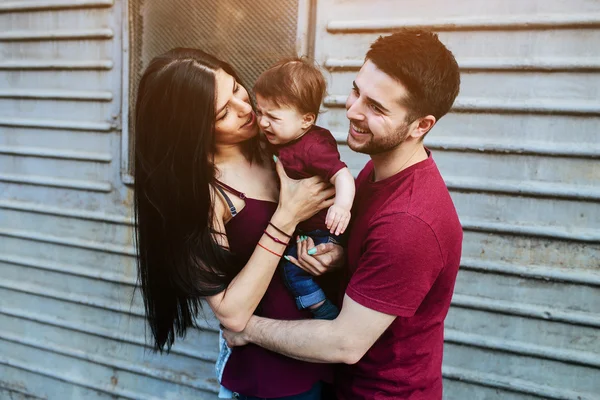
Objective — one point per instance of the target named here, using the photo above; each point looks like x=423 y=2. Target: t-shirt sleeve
x=323 y=158
x=399 y=265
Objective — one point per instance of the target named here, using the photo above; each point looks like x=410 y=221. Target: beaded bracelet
x=270 y=251
x=279 y=230
x=276 y=240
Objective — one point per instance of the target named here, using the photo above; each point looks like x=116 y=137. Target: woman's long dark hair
x=179 y=261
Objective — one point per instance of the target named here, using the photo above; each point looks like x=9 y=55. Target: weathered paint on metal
x=519 y=153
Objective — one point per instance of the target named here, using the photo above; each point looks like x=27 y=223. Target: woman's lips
x=250 y=121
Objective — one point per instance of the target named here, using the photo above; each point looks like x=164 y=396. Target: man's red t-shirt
x=403 y=256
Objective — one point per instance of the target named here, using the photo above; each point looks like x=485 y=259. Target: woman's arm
x=298 y=200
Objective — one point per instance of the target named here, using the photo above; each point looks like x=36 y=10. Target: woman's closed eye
x=236 y=89
x=224 y=114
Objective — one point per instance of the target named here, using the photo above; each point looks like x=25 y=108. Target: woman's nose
x=244 y=108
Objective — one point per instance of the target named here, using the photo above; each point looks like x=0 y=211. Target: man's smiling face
x=378 y=120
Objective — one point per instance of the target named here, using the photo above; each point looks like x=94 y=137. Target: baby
x=288 y=97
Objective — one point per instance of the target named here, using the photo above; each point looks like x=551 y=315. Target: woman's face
x=235 y=121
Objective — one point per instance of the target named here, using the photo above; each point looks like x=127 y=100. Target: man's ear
x=423 y=126
x=308 y=120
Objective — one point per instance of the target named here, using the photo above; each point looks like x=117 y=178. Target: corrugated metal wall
x=68 y=326
x=519 y=152
x=520 y=155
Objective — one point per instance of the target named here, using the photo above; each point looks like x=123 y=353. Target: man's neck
x=392 y=162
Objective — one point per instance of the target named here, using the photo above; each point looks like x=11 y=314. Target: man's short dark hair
x=428 y=70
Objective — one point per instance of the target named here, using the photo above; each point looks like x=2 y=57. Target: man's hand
x=320 y=259
x=234 y=339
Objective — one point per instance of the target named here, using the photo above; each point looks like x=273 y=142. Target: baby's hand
x=337 y=219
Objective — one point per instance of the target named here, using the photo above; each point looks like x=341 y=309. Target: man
x=405 y=240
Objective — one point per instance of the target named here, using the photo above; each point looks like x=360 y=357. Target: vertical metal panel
x=71 y=323
x=519 y=153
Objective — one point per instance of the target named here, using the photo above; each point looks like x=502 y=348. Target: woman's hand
x=301 y=199
x=320 y=259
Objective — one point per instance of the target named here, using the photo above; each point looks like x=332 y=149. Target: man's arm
x=343 y=340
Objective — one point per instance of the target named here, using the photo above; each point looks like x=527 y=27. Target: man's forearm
x=306 y=340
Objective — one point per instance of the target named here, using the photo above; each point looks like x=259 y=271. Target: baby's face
x=280 y=124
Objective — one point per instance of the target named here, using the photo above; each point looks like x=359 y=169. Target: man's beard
x=382 y=144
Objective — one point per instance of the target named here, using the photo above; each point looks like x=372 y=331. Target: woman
x=208 y=222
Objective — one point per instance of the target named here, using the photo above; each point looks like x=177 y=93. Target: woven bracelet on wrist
x=276 y=240
x=279 y=230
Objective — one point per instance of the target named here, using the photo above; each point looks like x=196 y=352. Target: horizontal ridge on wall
x=42 y=291
x=6 y=387
x=51 y=65
x=505 y=106
x=187 y=351
x=587 y=64
x=526 y=188
x=65 y=212
x=579 y=150
x=511 y=384
x=42 y=5
x=69 y=242
x=85 y=383
x=58 y=34
x=94 y=186
x=85 y=272
x=523 y=348
x=200 y=384
x=58 y=154
x=550 y=232
x=470 y=23
x=56 y=124
x=36 y=94
x=526 y=310
x=539 y=272
x=74 y=298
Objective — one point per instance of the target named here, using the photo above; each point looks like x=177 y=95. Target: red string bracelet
x=276 y=240
x=270 y=251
